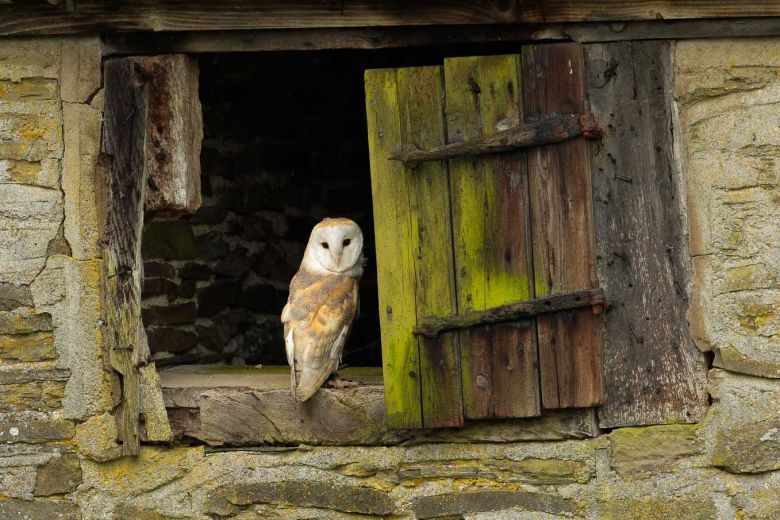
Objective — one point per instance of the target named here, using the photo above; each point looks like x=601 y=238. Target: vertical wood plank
x=394 y=253
x=123 y=144
x=491 y=239
x=420 y=97
x=562 y=229
x=653 y=371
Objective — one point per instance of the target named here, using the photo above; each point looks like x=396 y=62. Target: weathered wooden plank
x=124 y=43
x=490 y=216
x=548 y=130
x=243 y=417
x=432 y=327
x=421 y=112
x=551 y=11
x=174 y=134
x=394 y=253
x=653 y=371
x=40 y=17
x=124 y=132
x=562 y=229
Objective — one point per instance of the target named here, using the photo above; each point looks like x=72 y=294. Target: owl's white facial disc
x=336 y=245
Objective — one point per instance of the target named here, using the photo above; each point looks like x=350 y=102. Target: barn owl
x=323 y=302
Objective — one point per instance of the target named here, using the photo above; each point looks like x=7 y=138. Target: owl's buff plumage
x=322 y=304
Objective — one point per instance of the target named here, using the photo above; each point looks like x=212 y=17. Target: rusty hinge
x=432 y=327
x=548 y=130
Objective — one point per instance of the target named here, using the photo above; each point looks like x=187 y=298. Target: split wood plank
x=175 y=132
x=654 y=373
x=92 y=16
x=421 y=112
x=173 y=15
x=490 y=239
x=551 y=11
x=124 y=132
x=562 y=230
x=412 y=233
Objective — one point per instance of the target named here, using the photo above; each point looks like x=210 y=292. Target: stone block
x=58 y=476
x=35 y=346
x=33 y=428
x=29 y=58
x=175 y=314
x=263 y=298
x=212 y=246
x=169 y=240
x=155 y=419
x=30 y=218
x=39 y=396
x=302 y=493
x=159 y=287
x=32 y=372
x=125 y=512
x=79 y=185
x=80 y=71
x=480 y=501
x=159 y=270
x=192 y=271
x=14 y=296
x=649 y=450
x=693 y=508
x=96 y=438
x=746 y=423
x=39 y=509
x=17 y=481
x=25 y=322
x=31 y=134
x=43 y=174
x=170 y=339
x=215 y=298
x=28 y=90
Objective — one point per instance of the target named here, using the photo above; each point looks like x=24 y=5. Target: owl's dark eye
x=346 y=242
x=325 y=245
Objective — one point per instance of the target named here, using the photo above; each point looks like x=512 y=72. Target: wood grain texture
x=421 y=112
x=490 y=238
x=175 y=132
x=245 y=406
x=562 y=230
x=124 y=133
x=394 y=253
x=39 y=17
x=551 y=11
x=653 y=372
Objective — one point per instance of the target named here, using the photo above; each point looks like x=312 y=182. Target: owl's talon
x=340 y=384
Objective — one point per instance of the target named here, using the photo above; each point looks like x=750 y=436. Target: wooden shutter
x=150 y=155
x=474 y=233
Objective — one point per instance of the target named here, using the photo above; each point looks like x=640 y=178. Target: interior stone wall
x=278 y=157
x=58 y=451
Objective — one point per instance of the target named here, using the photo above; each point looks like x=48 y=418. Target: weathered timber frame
x=145 y=143
x=623 y=182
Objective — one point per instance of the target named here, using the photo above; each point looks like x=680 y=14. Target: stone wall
x=58 y=455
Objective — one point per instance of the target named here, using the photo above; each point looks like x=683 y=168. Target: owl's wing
x=318 y=342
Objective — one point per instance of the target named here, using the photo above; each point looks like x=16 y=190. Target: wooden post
x=151 y=107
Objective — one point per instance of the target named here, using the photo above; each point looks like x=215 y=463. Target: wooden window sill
x=248 y=406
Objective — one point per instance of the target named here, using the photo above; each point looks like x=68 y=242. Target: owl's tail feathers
x=309 y=381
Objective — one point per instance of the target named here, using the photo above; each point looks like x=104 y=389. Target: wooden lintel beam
x=552 y=129
x=433 y=327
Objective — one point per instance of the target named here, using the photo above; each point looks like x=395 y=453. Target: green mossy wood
x=460 y=235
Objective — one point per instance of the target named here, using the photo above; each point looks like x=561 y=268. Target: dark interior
x=284 y=146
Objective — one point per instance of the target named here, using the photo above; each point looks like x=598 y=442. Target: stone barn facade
x=129 y=379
